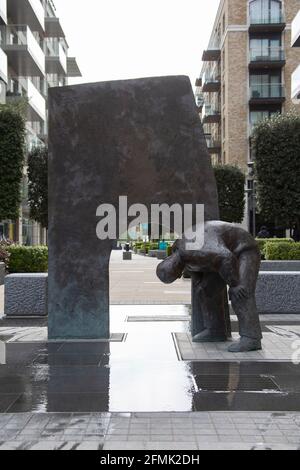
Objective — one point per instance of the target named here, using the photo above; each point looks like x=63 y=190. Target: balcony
x=296 y=84
x=56 y=59
x=73 y=69
x=296 y=31
x=267 y=57
x=267 y=21
x=23 y=87
x=3 y=12
x=211 y=55
x=266 y=94
x=30 y=12
x=213 y=145
x=3 y=66
x=211 y=84
x=53 y=27
x=23 y=51
x=211 y=115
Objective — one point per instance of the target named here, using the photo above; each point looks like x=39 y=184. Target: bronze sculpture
x=229 y=257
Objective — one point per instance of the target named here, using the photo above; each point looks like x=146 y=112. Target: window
x=266 y=48
x=266 y=85
x=265 y=11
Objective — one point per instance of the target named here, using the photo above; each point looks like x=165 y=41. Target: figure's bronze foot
x=245 y=344
x=209 y=336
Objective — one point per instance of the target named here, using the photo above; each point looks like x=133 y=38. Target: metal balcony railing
x=267 y=54
x=265 y=91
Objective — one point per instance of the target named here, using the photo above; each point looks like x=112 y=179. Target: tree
x=38 y=185
x=231 y=190
x=12 y=151
x=276 y=143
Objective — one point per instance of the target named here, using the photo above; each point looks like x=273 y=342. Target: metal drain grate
x=221 y=383
x=157 y=318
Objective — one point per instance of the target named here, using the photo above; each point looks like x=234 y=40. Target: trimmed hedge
x=282 y=251
x=12 y=145
x=262 y=242
x=28 y=259
x=231 y=190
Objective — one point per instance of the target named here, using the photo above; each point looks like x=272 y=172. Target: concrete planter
x=26 y=295
x=280 y=266
x=2 y=273
x=278 y=292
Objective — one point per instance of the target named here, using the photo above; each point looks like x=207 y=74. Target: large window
x=266 y=85
x=265 y=11
x=266 y=48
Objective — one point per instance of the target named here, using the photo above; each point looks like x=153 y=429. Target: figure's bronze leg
x=197 y=324
x=245 y=307
x=209 y=322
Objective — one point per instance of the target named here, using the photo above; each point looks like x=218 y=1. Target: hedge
x=12 y=145
x=282 y=251
x=28 y=259
x=231 y=191
x=262 y=242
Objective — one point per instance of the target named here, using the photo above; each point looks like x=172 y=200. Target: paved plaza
x=149 y=387
x=150 y=431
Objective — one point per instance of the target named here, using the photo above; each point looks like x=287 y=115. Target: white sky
x=120 y=39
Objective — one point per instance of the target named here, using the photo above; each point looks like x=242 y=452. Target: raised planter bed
x=278 y=292
x=280 y=266
x=26 y=295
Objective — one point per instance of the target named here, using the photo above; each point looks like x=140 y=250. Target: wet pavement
x=142 y=373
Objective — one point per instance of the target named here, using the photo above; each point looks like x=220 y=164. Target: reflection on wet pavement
x=140 y=374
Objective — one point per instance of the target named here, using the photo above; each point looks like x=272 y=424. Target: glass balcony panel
x=3 y=11
x=266 y=90
x=296 y=31
x=38 y=9
x=266 y=16
x=296 y=83
x=3 y=66
x=210 y=110
x=20 y=35
x=23 y=87
x=265 y=54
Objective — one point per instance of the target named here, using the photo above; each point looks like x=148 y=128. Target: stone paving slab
x=150 y=431
x=277 y=347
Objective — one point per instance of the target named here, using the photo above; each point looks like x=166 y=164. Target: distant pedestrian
x=263 y=233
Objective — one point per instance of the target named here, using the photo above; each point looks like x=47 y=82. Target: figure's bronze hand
x=238 y=293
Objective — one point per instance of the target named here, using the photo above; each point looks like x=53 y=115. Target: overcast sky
x=119 y=39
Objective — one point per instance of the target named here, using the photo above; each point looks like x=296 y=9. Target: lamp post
x=251 y=192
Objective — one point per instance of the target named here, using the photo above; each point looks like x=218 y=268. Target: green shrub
x=28 y=259
x=262 y=242
x=4 y=253
x=282 y=251
x=231 y=190
x=169 y=250
x=12 y=145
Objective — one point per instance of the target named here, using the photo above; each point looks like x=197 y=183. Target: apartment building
x=33 y=57
x=296 y=73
